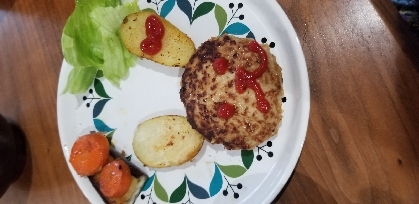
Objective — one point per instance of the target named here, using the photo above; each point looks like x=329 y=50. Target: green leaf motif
x=247 y=158
x=179 y=193
x=202 y=9
x=233 y=171
x=221 y=16
x=160 y=191
x=100 y=90
x=109 y=136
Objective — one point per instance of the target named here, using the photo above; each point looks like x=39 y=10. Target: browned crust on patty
x=203 y=91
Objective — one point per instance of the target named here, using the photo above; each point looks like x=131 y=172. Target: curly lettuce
x=90 y=42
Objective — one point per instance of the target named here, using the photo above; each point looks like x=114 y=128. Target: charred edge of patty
x=206 y=52
x=237 y=143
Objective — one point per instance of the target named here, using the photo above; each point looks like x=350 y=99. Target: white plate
x=151 y=90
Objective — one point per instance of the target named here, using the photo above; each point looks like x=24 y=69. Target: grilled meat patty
x=203 y=91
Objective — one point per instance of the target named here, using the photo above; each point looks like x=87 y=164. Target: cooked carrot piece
x=115 y=179
x=89 y=153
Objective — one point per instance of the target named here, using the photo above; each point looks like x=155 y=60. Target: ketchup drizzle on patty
x=245 y=79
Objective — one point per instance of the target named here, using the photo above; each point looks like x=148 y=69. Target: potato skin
x=177 y=47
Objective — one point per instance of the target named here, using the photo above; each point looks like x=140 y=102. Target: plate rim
x=305 y=105
x=305 y=89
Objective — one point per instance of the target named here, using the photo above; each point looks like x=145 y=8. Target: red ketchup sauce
x=155 y=32
x=225 y=111
x=245 y=79
x=220 y=65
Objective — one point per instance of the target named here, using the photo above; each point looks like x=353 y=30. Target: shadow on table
x=5 y=5
x=400 y=30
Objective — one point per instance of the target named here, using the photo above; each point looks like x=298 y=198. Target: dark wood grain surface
x=362 y=141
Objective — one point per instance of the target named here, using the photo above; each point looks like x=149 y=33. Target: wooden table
x=362 y=143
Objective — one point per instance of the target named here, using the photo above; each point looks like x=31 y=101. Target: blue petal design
x=186 y=8
x=148 y=183
x=101 y=126
x=99 y=107
x=216 y=182
x=236 y=29
x=197 y=191
x=250 y=35
x=167 y=8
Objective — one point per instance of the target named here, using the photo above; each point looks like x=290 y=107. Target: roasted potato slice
x=166 y=141
x=176 y=49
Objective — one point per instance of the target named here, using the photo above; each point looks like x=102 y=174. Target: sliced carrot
x=115 y=179
x=89 y=153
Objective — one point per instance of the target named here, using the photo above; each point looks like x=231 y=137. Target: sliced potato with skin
x=166 y=141
x=177 y=47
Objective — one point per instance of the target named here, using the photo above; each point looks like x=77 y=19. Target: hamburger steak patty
x=203 y=91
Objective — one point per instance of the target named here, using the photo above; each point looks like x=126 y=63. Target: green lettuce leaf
x=91 y=40
x=117 y=59
x=81 y=41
